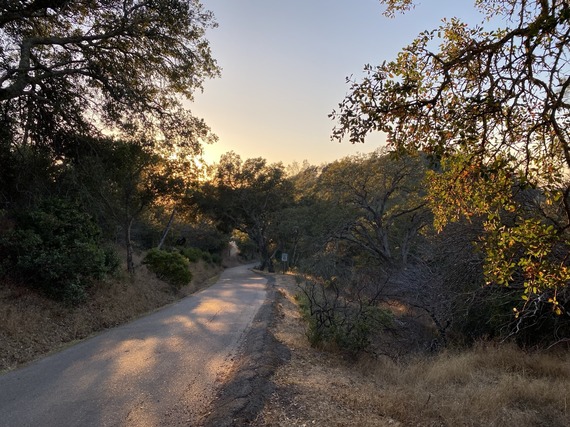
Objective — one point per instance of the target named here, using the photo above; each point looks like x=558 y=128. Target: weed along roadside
x=488 y=384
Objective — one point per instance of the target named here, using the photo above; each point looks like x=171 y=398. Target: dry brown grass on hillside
x=32 y=325
x=490 y=385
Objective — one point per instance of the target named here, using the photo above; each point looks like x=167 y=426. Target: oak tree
x=75 y=66
x=248 y=196
x=493 y=107
x=384 y=203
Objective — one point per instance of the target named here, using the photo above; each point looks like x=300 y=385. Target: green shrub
x=207 y=256
x=55 y=247
x=195 y=254
x=314 y=333
x=112 y=260
x=353 y=329
x=216 y=259
x=169 y=266
x=192 y=254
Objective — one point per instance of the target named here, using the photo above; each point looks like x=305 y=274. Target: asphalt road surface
x=160 y=370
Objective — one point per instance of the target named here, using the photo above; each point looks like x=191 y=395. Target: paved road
x=159 y=370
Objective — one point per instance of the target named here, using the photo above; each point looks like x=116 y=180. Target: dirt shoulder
x=246 y=388
x=280 y=380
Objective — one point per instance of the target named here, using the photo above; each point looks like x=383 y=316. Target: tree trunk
x=129 y=244
x=267 y=263
x=167 y=229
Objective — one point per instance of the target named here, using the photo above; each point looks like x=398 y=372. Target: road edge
x=242 y=396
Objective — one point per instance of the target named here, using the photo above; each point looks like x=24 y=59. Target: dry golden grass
x=490 y=385
x=32 y=325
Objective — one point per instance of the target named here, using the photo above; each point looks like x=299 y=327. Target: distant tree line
x=362 y=232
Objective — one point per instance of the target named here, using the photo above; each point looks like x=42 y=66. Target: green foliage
x=216 y=259
x=112 y=259
x=121 y=181
x=247 y=249
x=209 y=258
x=170 y=266
x=26 y=169
x=195 y=254
x=192 y=254
x=499 y=132
x=527 y=250
x=354 y=329
x=55 y=247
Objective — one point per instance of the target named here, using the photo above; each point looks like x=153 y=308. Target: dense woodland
x=464 y=217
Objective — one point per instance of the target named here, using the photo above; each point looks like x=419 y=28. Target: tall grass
x=490 y=384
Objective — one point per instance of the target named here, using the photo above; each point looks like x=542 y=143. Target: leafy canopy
x=382 y=201
x=81 y=65
x=248 y=196
x=493 y=106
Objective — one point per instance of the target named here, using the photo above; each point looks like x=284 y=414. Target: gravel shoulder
x=249 y=383
x=281 y=381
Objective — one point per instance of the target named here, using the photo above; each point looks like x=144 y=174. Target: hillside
x=32 y=325
x=491 y=384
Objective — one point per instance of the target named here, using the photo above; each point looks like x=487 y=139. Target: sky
x=284 y=68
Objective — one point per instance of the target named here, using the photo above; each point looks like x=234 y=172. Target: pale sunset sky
x=284 y=68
